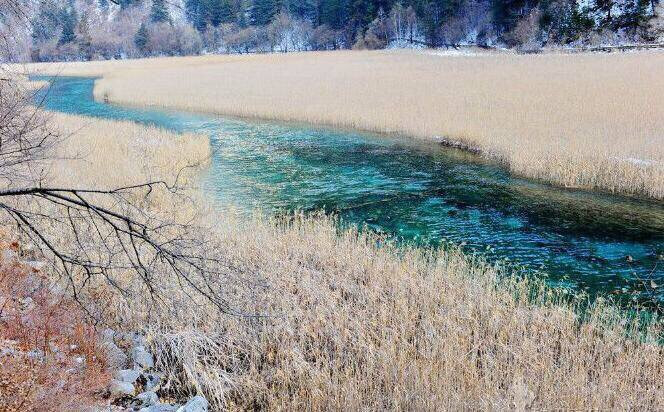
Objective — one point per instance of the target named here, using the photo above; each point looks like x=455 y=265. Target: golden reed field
x=352 y=325
x=583 y=120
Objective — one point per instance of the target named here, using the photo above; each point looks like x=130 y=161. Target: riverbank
x=350 y=324
x=589 y=121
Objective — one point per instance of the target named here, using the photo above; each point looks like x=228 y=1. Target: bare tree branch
x=96 y=234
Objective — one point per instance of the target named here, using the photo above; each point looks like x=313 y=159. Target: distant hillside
x=105 y=29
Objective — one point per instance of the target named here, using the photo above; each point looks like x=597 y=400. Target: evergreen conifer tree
x=68 y=27
x=47 y=22
x=507 y=13
x=103 y=5
x=605 y=7
x=125 y=4
x=159 y=12
x=194 y=11
x=84 y=39
x=141 y=38
x=636 y=16
x=262 y=11
x=302 y=9
x=220 y=11
x=333 y=13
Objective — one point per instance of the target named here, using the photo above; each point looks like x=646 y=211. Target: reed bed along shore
x=106 y=154
x=591 y=121
x=351 y=325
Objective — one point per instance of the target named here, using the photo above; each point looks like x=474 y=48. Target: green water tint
x=421 y=193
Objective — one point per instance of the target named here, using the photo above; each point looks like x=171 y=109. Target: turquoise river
x=417 y=192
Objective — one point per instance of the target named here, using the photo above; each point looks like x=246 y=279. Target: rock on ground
x=119 y=389
x=127 y=375
x=142 y=358
x=115 y=356
x=147 y=399
x=195 y=404
x=152 y=381
x=160 y=407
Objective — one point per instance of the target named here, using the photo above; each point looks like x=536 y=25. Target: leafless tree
x=524 y=36
x=453 y=31
x=173 y=39
x=244 y=40
x=91 y=234
x=280 y=31
x=657 y=22
x=323 y=38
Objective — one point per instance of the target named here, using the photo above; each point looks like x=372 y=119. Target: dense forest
x=106 y=29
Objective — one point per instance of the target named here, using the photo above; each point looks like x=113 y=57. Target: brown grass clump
x=48 y=349
x=343 y=320
x=591 y=121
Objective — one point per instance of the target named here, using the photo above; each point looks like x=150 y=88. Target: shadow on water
x=417 y=192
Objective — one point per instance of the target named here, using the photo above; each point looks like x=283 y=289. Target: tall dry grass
x=592 y=121
x=352 y=326
x=105 y=154
x=350 y=323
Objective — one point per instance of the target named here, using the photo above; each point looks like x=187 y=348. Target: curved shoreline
x=449 y=142
x=563 y=119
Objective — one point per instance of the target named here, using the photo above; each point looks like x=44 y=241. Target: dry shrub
x=525 y=33
x=53 y=362
x=48 y=349
x=590 y=121
x=173 y=39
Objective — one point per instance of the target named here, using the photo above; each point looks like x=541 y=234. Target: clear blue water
x=421 y=193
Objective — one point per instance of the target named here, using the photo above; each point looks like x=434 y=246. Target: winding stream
x=418 y=192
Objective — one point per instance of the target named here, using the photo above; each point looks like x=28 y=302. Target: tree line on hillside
x=105 y=29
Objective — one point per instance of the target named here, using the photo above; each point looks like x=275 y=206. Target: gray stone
x=35 y=264
x=35 y=354
x=160 y=407
x=106 y=408
x=127 y=375
x=9 y=255
x=119 y=389
x=138 y=340
x=147 y=398
x=8 y=352
x=195 y=404
x=130 y=340
x=142 y=358
x=115 y=356
x=27 y=303
x=123 y=340
x=107 y=335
